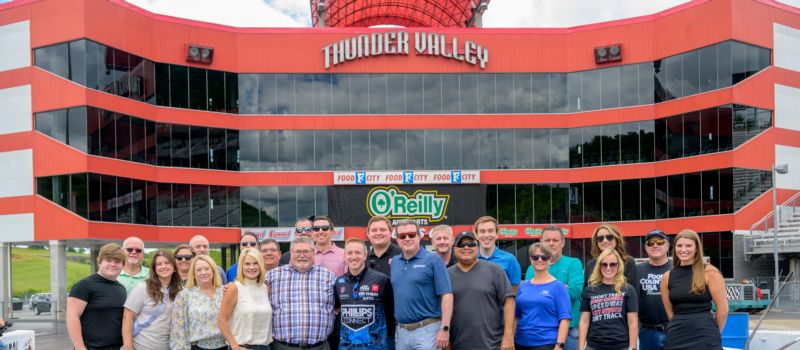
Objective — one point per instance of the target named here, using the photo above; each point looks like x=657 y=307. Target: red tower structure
x=406 y=13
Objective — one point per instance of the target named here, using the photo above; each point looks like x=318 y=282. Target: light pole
x=776 y=169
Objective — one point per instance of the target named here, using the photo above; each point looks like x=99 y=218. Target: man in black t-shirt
x=94 y=305
x=652 y=317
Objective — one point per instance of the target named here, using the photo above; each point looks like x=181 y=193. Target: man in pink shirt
x=327 y=254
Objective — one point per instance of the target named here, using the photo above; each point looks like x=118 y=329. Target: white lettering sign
x=452 y=177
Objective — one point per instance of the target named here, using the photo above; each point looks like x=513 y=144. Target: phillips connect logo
x=424 y=205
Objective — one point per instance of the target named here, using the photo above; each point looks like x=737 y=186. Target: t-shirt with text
x=608 y=322
x=650 y=304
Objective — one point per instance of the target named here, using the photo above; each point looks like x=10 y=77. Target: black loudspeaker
x=606 y=54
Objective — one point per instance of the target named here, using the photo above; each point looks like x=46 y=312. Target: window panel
x=575 y=147
x=693 y=193
x=648 y=199
x=323 y=150
x=451 y=90
x=233 y=149
x=504 y=93
x=738 y=61
x=710 y=192
x=592 y=154
x=61 y=192
x=558 y=93
x=249 y=206
x=121 y=67
x=304 y=142
x=505 y=149
x=216 y=90
x=593 y=201
x=674 y=76
x=560 y=203
x=724 y=64
x=540 y=93
x=342 y=159
x=181 y=205
x=108 y=134
x=660 y=75
x=179 y=90
x=522 y=144
x=726 y=191
x=164 y=205
x=79 y=194
x=234 y=207
x=468 y=99
x=486 y=94
x=181 y=147
x=523 y=93
x=379 y=150
x=287 y=150
x=53 y=124
x=304 y=94
x=268 y=206
x=675 y=200
x=124 y=200
x=611 y=200
x=108 y=188
x=541 y=148
x=139 y=201
x=359 y=149
x=141 y=78
x=611 y=144
x=629 y=85
x=268 y=150
x=559 y=151
x=675 y=137
x=150 y=144
x=54 y=59
x=44 y=187
x=164 y=144
x=488 y=149
x=505 y=204
x=629 y=142
x=377 y=94
x=123 y=129
x=232 y=92
x=322 y=94
x=708 y=68
x=647 y=84
x=415 y=149
x=590 y=90
x=95 y=198
x=415 y=99
x=574 y=91
x=576 y=203
x=739 y=125
x=433 y=149
x=432 y=95
x=199 y=147
x=451 y=149
x=321 y=198
x=218 y=206
x=470 y=141
x=691 y=134
x=647 y=141
x=77 y=61
x=491 y=200
x=138 y=140
x=542 y=207
x=691 y=73
x=92 y=64
x=216 y=149
x=709 y=133
x=248 y=93
x=523 y=194
x=662 y=197
x=284 y=94
x=725 y=114
x=264 y=92
x=200 y=205
x=105 y=56
x=396 y=94
x=753 y=65
x=610 y=87
x=162 y=84
x=359 y=94
x=304 y=197
x=764 y=119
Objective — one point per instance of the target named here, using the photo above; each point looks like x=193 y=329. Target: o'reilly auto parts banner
x=427 y=204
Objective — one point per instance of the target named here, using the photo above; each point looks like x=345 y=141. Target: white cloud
x=237 y=13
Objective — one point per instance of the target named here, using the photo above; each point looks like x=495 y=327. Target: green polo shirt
x=131 y=281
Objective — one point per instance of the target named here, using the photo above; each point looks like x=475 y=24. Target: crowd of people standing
x=389 y=292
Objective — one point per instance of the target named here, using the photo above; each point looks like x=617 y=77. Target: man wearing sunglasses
x=652 y=317
x=133 y=271
x=248 y=240
x=423 y=296
x=327 y=253
x=483 y=308
x=302 y=228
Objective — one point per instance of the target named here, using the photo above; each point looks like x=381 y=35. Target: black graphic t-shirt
x=608 y=327
x=366 y=309
x=651 y=308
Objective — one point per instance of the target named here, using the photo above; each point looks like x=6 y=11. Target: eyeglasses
x=471 y=244
x=536 y=257
x=248 y=244
x=609 y=265
x=184 y=257
x=601 y=238
x=406 y=235
x=653 y=242
x=321 y=228
x=302 y=229
x=302 y=252
x=133 y=250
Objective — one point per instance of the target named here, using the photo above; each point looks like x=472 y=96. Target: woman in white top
x=245 y=316
x=149 y=305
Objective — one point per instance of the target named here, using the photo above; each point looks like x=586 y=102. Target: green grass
x=30 y=270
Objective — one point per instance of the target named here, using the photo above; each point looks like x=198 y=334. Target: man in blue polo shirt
x=486 y=231
x=423 y=296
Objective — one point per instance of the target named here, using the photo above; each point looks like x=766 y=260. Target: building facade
x=113 y=125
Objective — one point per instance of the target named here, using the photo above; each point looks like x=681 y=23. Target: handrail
x=793 y=198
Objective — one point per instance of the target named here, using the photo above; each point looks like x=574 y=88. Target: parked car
x=40 y=303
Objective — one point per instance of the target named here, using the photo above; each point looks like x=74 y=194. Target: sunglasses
x=302 y=229
x=471 y=244
x=601 y=238
x=656 y=242
x=248 y=244
x=536 y=257
x=134 y=250
x=406 y=235
x=609 y=265
x=321 y=228
x=184 y=257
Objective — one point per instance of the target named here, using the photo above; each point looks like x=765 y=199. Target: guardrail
x=767 y=222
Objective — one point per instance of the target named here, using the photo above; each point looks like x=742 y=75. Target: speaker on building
x=605 y=54
x=199 y=54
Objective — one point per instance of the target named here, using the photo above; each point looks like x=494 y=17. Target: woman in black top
x=687 y=292
x=607 y=236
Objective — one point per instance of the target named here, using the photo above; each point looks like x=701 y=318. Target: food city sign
x=442 y=177
x=396 y=43
x=391 y=202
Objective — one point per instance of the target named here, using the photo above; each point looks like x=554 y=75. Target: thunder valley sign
x=396 y=43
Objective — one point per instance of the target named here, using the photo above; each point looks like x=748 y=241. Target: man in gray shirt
x=483 y=301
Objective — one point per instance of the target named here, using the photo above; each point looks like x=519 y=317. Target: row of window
x=108 y=134
x=117 y=72
x=117 y=199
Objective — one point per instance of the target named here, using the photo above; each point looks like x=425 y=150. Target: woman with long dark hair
x=609 y=307
x=687 y=292
x=607 y=236
x=147 y=316
x=183 y=259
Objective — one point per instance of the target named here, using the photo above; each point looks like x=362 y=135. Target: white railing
x=767 y=222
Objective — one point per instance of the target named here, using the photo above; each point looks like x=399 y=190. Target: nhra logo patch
x=358 y=317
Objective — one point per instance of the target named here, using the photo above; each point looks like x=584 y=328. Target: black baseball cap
x=655 y=233
x=464 y=234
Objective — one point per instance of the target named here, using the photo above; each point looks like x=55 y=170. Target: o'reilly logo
x=391 y=202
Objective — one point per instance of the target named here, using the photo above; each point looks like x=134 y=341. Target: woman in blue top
x=543 y=310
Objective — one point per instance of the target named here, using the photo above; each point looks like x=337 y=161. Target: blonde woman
x=196 y=309
x=607 y=236
x=687 y=292
x=609 y=318
x=245 y=317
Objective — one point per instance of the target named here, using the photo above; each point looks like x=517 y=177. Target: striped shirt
x=302 y=304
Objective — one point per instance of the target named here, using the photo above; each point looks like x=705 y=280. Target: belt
x=660 y=327
x=420 y=324
x=301 y=345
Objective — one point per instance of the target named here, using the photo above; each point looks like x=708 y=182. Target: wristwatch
x=560 y=344
x=445 y=328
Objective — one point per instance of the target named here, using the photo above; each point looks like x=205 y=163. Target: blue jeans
x=651 y=339
x=423 y=338
x=572 y=339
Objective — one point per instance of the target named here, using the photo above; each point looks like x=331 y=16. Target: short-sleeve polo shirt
x=418 y=284
x=508 y=262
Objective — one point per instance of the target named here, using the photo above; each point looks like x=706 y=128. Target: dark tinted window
x=181 y=146
x=200 y=205
x=610 y=91
x=558 y=93
x=232 y=92
x=674 y=76
x=675 y=137
x=691 y=73
x=432 y=85
x=217 y=153
x=54 y=59
x=216 y=91
x=92 y=64
x=199 y=147
x=648 y=200
x=232 y=149
x=675 y=200
x=95 y=198
x=542 y=206
x=249 y=145
x=108 y=134
x=611 y=144
x=44 y=187
x=150 y=142
x=559 y=151
x=138 y=140
x=576 y=203
x=611 y=200
x=109 y=202
x=125 y=197
x=590 y=90
x=77 y=61
x=691 y=134
x=181 y=205
x=123 y=128
x=139 y=201
x=164 y=144
x=504 y=93
x=179 y=90
x=164 y=204
x=710 y=192
x=630 y=209
x=647 y=141
x=629 y=142
x=576 y=147
x=693 y=193
x=162 y=84
x=524 y=203
x=709 y=134
x=79 y=198
x=593 y=201
x=708 y=68
x=559 y=199
x=523 y=93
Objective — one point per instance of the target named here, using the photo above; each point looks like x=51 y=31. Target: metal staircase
x=762 y=236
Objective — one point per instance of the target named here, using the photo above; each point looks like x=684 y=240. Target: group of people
x=379 y=294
